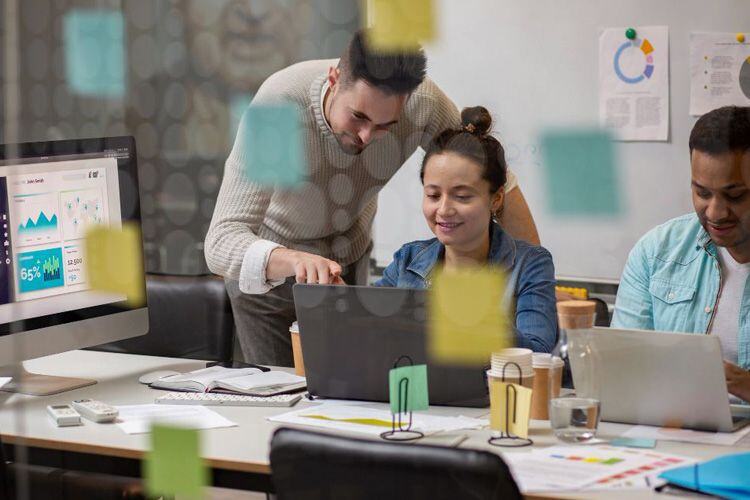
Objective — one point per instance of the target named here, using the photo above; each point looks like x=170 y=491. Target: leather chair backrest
x=312 y=466
x=189 y=317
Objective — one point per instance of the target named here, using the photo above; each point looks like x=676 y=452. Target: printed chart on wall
x=719 y=71
x=634 y=82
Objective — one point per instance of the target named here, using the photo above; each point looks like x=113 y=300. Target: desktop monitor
x=51 y=193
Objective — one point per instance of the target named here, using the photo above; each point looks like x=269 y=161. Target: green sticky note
x=174 y=466
x=272 y=145
x=400 y=25
x=95 y=52
x=580 y=172
x=413 y=383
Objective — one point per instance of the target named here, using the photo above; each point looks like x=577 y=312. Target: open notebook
x=251 y=381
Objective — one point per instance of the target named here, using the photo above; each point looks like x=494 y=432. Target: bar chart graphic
x=40 y=270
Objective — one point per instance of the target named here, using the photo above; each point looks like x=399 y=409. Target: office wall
x=534 y=64
x=191 y=67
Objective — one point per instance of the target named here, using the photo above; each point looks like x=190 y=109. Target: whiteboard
x=533 y=64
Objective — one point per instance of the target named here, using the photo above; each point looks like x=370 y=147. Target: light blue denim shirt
x=531 y=282
x=672 y=281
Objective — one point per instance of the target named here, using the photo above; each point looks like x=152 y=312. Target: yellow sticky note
x=503 y=396
x=114 y=262
x=400 y=25
x=466 y=317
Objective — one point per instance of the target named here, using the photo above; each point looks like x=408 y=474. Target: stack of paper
x=371 y=420
x=574 y=467
x=137 y=419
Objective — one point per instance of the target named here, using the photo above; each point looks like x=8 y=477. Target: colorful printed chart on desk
x=575 y=467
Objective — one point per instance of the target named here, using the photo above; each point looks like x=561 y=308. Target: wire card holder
x=506 y=439
x=398 y=432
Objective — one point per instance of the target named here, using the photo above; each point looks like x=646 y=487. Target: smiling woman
x=464 y=174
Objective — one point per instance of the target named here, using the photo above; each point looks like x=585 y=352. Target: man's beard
x=348 y=147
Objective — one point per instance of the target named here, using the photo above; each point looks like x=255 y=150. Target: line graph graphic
x=37 y=219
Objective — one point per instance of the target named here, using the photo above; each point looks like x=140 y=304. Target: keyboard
x=216 y=399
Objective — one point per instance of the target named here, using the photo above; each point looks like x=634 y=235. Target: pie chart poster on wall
x=634 y=82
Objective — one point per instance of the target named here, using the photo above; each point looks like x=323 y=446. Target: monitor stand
x=34 y=384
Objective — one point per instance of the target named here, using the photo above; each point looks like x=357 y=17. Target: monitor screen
x=49 y=198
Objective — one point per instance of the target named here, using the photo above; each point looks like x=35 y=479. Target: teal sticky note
x=580 y=172
x=412 y=381
x=238 y=103
x=272 y=145
x=95 y=52
x=634 y=442
x=174 y=465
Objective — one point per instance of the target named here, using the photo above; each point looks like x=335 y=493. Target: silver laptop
x=655 y=378
x=352 y=335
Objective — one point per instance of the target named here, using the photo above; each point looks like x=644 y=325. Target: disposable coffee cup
x=493 y=378
x=512 y=360
x=543 y=388
x=299 y=364
x=512 y=377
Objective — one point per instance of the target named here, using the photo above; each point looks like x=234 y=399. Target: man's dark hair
x=722 y=130
x=391 y=72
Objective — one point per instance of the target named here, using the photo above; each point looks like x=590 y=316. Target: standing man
x=363 y=116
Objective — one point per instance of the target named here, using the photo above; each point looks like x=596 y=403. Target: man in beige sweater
x=363 y=116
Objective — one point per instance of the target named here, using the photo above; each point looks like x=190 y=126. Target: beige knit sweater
x=331 y=214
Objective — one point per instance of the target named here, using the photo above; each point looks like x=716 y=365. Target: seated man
x=691 y=273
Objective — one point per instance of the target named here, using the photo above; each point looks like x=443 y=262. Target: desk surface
x=23 y=419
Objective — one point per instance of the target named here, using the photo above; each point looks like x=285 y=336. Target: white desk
x=24 y=421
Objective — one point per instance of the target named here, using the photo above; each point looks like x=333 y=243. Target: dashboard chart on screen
x=46 y=208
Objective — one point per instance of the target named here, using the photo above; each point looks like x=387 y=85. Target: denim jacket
x=531 y=281
x=672 y=282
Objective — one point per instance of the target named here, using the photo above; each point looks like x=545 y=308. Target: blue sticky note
x=95 y=52
x=271 y=143
x=409 y=384
x=634 y=442
x=725 y=476
x=580 y=172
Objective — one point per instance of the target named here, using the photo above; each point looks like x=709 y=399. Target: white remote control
x=95 y=411
x=64 y=415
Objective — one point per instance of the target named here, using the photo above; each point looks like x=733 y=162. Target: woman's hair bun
x=476 y=120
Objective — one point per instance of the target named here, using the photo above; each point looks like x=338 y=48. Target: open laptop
x=655 y=378
x=352 y=335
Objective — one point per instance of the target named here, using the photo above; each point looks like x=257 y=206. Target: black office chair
x=43 y=483
x=312 y=466
x=189 y=317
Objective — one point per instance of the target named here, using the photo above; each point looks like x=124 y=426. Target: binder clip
x=398 y=432
x=506 y=439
